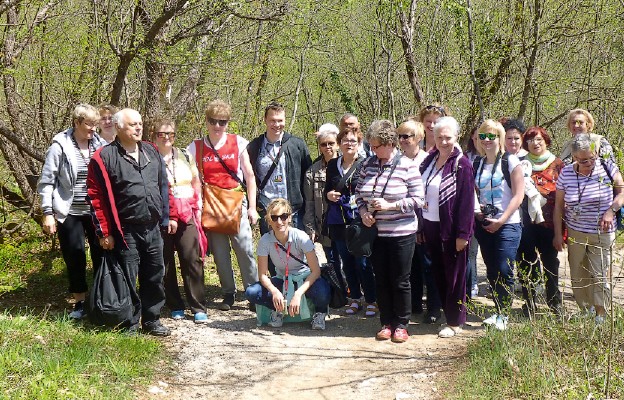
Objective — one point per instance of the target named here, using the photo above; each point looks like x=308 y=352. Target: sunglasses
x=163 y=135
x=490 y=136
x=440 y=110
x=282 y=217
x=328 y=144
x=220 y=122
x=405 y=137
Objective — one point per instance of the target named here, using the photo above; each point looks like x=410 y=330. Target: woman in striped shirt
x=390 y=172
x=589 y=193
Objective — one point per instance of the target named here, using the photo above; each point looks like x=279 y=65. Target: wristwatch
x=615 y=209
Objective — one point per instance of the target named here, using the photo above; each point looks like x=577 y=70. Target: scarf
x=540 y=163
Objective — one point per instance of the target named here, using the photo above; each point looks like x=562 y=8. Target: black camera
x=488 y=211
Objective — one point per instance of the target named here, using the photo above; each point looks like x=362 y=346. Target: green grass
x=51 y=359
x=546 y=359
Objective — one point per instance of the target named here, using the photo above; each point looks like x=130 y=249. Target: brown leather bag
x=222 y=208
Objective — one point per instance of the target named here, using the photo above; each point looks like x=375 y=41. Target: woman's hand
x=253 y=216
x=460 y=244
x=293 y=306
x=493 y=226
x=558 y=243
x=107 y=243
x=278 y=300
x=368 y=219
x=333 y=195
x=380 y=204
x=606 y=223
x=49 y=224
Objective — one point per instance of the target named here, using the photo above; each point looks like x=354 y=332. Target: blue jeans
x=319 y=293
x=471 y=267
x=499 y=254
x=421 y=273
x=296 y=221
x=359 y=273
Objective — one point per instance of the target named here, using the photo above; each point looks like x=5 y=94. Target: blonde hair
x=274 y=208
x=84 y=111
x=219 y=109
x=411 y=126
x=577 y=111
x=492 y=126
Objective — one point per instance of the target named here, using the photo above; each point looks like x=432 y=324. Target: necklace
x=80 y=151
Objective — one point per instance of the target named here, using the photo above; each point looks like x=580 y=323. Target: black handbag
x=110 y=302
x=359 y=237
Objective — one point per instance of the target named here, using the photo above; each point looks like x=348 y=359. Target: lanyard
x=498 y=157
x=578 y=184
x=432 y=175
x=285 y=264
x=172 y=170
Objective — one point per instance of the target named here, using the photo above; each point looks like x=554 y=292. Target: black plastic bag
x=110 y=299
x=337 y=297
x=360 y=238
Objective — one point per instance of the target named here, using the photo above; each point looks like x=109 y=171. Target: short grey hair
x=84 y=111
x=330 y=128
x=325 y=135
x=118 y=117
x=583 y=142
x=383 y=131
x=446 y=122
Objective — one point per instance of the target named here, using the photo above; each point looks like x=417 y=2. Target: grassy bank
x=547 y=358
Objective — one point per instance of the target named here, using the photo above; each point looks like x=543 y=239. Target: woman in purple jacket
x=449 y=191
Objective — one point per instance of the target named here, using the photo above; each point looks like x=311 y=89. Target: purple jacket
x=456 y=195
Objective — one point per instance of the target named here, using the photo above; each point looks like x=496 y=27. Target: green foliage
x=52 y=359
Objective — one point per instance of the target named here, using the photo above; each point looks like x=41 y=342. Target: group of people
x=432 y=202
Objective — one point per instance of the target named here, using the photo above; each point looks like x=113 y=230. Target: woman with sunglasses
x=225 y=163
x=428 y=115
x=189 y=239
x=579 y=122
x=63 y=192
x=498 y=228
x=315 y=203
x=342 y=179
x=411 y=133
x=589 y=193
x=392 y=174
x=537 y=235
x=297 y=270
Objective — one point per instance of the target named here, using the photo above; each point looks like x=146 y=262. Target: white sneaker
x=77 y=314
x=600 y=319
x=501 y=323
x=475 y=291
x=277 y=319
x=449 y=332
x=491 y=320
x=318 y=321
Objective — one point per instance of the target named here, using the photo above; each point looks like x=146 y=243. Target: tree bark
x=407 y=42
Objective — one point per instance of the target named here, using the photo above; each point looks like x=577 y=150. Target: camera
x=488 y=211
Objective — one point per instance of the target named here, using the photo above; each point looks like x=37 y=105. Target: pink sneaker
x=385 y=333
x=400 y=335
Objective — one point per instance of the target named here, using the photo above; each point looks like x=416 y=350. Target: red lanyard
x=286 y=265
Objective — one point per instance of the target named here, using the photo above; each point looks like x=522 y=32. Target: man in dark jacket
x=129 y=192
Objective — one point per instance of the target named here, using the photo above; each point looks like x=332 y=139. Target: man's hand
x=107 y=243
x=173 y=227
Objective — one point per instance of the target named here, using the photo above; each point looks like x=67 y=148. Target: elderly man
x=129 y=192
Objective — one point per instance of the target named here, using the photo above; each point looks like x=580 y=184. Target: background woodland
x=529 y=59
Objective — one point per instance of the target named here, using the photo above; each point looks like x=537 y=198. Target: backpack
x=111 y=300
x=476 y=164
x=619 y=218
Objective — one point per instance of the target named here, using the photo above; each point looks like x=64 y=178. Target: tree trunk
x=407 y=42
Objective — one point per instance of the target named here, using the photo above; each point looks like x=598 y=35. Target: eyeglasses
x=349 y=141
x=282 y=217
x=586 y=161
x=440 y=110
x=579 y=122
x=163 y=135
x=535 y=140
x=375 y=148
x=90 y=124
x=220 y=122
x=106 y=119
x=490 y=136
x=328 y=144
x=405 y=137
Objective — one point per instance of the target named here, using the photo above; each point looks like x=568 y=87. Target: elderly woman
x=589 y=193
x=292 y=252
x=315 y=203
x=387 y=195
x=411 y=133
x=537 y=237
x=429 y=115
x=63 y=192
x=499 y=184
x=189 y=239
x=449 y=191
x=342 y=179
x=580 y=121
x=225 y=163
x=514 y=129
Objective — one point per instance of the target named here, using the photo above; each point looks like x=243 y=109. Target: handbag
x=111 y=301
x=222 y=208
x=359 y=237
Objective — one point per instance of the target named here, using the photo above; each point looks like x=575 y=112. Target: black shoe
x=252 y=307
x=227 y=303
x=556 y=309
x=528 y=311
x=432 y=317
x=156 y=329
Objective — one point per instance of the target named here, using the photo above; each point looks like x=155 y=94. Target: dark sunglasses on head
x=491 y=136
x=283 y=217
x=328 y=144
x=405 y=137
x=436 y=108
x=220 y=122
x=162 y=135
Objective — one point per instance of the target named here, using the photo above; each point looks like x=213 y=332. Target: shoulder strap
x=273 y=166
x=395 y=162
x=186 y=155
x=505 y=168
x=347 y=175
x=476 y=163
x=200 y=160
x=604 y=166
x=229 y=171
x=292 y=255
